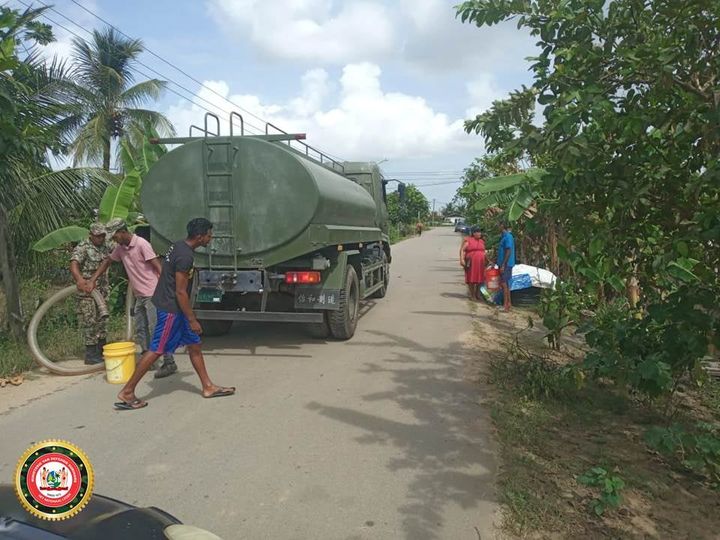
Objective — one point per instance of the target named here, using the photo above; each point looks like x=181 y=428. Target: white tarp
x=541 y=278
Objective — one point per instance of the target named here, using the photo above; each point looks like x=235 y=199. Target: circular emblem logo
x=54 y=480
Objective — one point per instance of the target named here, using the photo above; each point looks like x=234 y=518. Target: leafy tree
x=33 y=198
x=454 y=208
x=415 y=205
x=630 y=94
x=107 y=104
x=118 y=201
x=630 y=97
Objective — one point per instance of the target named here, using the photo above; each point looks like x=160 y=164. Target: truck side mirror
x=401 y=192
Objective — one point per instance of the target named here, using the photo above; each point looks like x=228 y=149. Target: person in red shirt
x=472 y=259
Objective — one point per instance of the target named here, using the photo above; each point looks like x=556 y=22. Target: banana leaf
x=501 y=183
x=521 y=202
x=151 y=153
x=118 y=200
x=127 y=156
x=500 y=199
x=59 y=237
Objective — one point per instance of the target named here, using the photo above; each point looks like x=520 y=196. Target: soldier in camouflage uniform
x=85 y=260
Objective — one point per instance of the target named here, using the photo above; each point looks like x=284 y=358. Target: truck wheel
x=382 y=291
x=319 y=330
x=344 y=321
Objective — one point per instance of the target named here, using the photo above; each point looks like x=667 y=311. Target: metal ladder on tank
x=218 y=161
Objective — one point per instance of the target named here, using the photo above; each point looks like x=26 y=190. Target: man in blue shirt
x=506 y=261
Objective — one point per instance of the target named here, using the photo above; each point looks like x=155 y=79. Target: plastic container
x=119 y=361
x=492 y=279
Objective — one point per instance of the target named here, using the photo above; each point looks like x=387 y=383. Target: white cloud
x=422 y=33
x=436 y=39
x=308 y=29
x=355 y=118
x=483 y=90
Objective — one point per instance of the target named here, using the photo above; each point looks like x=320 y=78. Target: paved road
x=379 y=437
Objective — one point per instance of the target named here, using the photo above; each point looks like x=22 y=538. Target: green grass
x=59 y=336
x=14 y=358
x=548 y=439
x=58 y=343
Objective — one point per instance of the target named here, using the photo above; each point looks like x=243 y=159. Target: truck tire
x=382 y=291
x=344 y=321
x=319 y=330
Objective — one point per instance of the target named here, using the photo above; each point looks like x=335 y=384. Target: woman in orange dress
x=472 y=258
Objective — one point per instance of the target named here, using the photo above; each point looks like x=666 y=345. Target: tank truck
x=298 y=236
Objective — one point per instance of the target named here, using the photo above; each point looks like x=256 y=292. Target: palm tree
x=108 y=104
x=33 y=198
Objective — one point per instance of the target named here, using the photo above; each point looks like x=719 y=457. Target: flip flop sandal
x=131 y=406
x=221 y=392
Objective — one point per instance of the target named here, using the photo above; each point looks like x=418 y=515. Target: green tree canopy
x=630 y=96
x=629 y=146
x=108 y=104
x=415 y=204
x=33 y=198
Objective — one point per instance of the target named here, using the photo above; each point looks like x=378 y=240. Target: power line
x=202 y=85
x=430 y=178
x=166 y=62
x=215 y=107
x=446 y=183
x=190 y=99
x=426 y=173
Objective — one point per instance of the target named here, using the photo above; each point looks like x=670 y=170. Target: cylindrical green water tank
x=260 y=196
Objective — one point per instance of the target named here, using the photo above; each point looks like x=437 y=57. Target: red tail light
x=302 y=277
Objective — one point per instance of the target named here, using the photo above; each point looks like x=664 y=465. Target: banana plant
x=517 y=193
x=118 y=201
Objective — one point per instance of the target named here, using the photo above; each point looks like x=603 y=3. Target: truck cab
x=367 y=175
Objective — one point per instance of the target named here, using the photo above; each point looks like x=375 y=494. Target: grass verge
x=58 y=336
x=553 y=434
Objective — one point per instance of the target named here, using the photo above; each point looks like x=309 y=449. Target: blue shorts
x=506 y=275
x=172 y=331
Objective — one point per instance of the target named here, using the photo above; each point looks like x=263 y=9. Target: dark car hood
x=102 y=519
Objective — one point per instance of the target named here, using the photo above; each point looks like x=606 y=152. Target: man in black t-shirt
x=176 y=325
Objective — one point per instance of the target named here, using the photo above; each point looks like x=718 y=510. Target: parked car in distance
x=459 y=225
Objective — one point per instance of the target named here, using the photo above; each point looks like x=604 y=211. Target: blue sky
x=366 y=80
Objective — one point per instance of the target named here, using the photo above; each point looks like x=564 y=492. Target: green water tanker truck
x=298 y=237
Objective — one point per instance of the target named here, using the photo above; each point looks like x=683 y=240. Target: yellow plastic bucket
x=119 y=361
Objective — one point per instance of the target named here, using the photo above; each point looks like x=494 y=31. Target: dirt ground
x=545 y=444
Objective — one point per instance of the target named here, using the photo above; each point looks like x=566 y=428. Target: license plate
x=317 y=298
x=210 y=295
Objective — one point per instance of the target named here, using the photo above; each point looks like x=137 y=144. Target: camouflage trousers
x=94 y=326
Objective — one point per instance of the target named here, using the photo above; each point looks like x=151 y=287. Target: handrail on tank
x=323 y=157
x=268 y=125
x=242 y=123
x=217 y=122
x=193 y=126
